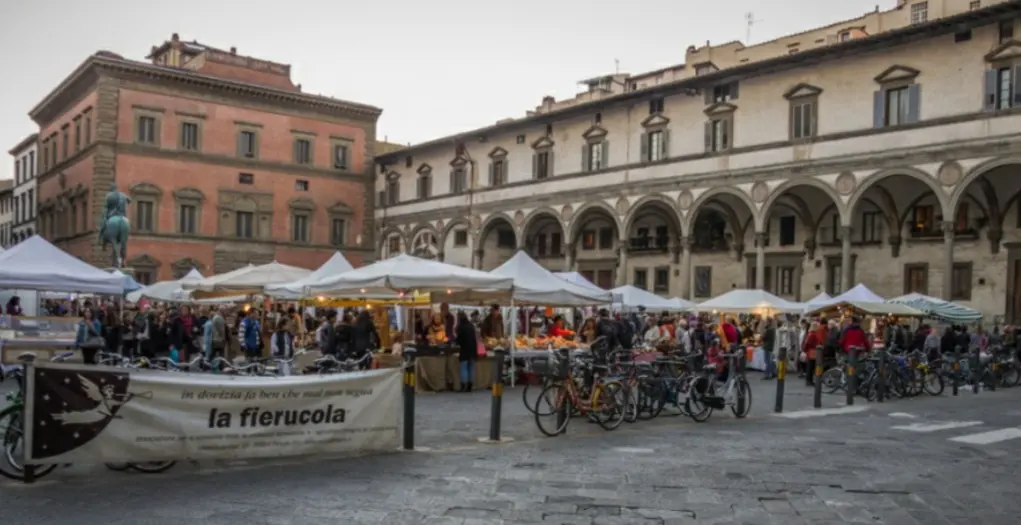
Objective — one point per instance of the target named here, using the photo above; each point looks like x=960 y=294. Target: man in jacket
x=854 y=336
x=249 y=334
x=769 y=348
x=328 y=344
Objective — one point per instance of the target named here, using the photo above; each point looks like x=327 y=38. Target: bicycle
x=605 y=405
x=737 y=392
x=13 y=431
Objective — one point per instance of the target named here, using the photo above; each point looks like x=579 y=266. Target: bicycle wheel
x=832 y=380
x=611 y=405
x=631 y=401
x=552 y=401
x=529 y=404
x=933 y=383
x=13 y=446
x=1010 y=375
x=694 y=404
x=152 y=467
x=743 y=395
x=652 y=398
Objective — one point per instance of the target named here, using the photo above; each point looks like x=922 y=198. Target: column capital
x=760 y=239
x=686 y=242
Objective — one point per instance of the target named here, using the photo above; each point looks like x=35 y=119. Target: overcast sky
x=435 y=67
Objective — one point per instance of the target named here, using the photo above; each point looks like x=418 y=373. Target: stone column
x=760 y=260
x=477 y=259
x=845 y=258
x=440 y=256
x=686 y=267
x=621 y=263
x=948 y=260
x=569 y=259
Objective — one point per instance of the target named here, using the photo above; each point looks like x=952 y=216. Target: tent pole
x=513 y=340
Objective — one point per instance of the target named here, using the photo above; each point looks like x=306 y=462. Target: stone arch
x=452 y=225
x=906 y=171
x=538 y=221
x=539 y=214
x=975 y=174
x=717 y=191
x=810 y=182
x=420 y=231
x=598 y=207
x=491 y=222
x=384 y=237
x=654 y=201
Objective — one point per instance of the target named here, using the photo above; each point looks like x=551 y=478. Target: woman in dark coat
x=364 y=337
x=466 y=339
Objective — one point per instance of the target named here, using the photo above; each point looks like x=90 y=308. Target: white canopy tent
x=749 y=301
x=405 y=273
x=630 y=297
x=336 y=265
x=822 y=299
x=169 y=291
x=535 y=285
x=250 y=279
x=859 y=294
x=35 y=264
x=938 y=308
x=578 y=280
x=682 y=305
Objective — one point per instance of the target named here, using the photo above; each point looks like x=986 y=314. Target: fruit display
x=545 y=342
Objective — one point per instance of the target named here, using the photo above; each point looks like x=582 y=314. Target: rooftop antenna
x=750 y=20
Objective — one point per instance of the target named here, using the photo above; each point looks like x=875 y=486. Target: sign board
x=88 y=414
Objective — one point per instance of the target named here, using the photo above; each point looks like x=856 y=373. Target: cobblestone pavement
x=927 y=461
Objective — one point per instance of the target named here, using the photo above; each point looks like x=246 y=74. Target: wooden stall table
x=433 y=369
x=387 y=361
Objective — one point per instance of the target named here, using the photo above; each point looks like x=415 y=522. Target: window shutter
x=725 y=133
x=733 y=90
x=606 y=153
x=878 y=108
x=1017 y=86
x=382 y=198
x=492 y=174
x=709 y=136
x=535 y=166
x=914 y=102
x=791 y=121
x=255 y=145
x=645 y=147
x=453 y=180
x=549 y=164
x=506 y=171
x=297 y=158
x=585 y=152
x=708 y=95
x=665 y=143
x=989 y=100
x=241 y=144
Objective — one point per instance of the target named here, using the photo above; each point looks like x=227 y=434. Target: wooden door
x=604 y=279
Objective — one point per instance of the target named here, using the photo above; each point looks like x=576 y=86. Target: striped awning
x=938 y=308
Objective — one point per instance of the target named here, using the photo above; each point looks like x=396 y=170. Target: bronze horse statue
x=116 y=228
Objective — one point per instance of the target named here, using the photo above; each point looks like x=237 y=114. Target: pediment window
x=595 y=133
x=720 y=109
x=424 y=169
x=497 y=153
x=543 y=143
x=802 y=90
x=460 y=161
x=1006 y=52
x=897 y=74
x=655 y=121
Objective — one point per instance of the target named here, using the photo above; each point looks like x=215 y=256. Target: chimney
x=299 y=88
x=175 y=37
x=233 y=50
x=547 y=102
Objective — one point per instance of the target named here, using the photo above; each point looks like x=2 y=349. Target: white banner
x=84 y=414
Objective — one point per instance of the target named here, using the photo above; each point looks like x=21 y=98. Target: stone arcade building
x=888 y=157
x=226 y=160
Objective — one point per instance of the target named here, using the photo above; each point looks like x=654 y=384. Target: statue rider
x=116 y=205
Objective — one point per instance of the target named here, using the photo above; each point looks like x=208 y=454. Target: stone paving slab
x=837 y=469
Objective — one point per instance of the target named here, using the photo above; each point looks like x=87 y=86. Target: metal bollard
x=409 y=399
x=496 y=408
x=956 y=368
x=817 y=395
x=781 y=378
x=852 y=380
x=974 y=372
x=881 y=385
x=994 y=373
x=562 y=375
x=737 y=368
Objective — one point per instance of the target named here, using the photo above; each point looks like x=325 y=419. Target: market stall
x=167 y=291
x=35 y=264
x=939 y=309
x=247 y=280
x=408 y=275
x=758 y=302
x=337 y=264
x=629 y=298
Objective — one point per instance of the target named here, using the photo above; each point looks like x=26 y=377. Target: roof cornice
x=94 y=64
x=24 y=144
x=853 y=47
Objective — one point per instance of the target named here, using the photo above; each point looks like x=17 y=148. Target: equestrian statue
x=115 y=227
